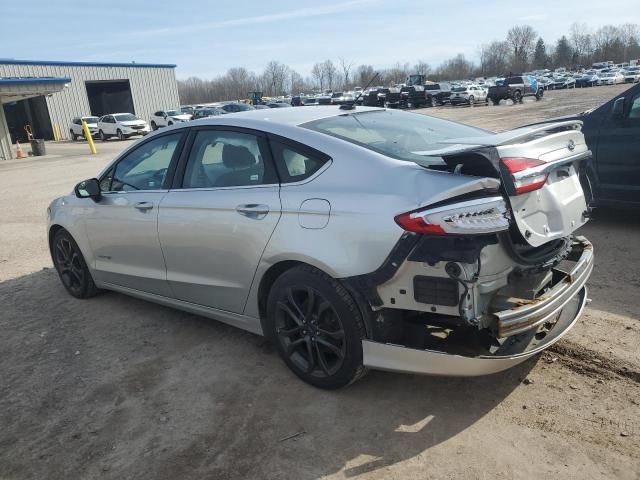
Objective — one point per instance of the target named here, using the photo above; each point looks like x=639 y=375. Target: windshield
x=172 y=113
x=400 y=135
x=125 y=117
x=90 y=119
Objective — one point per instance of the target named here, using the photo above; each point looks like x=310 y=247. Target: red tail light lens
x=416 y=224
x=525 y=173
x=473 y=217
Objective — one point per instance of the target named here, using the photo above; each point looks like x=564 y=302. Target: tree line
x=522 y=49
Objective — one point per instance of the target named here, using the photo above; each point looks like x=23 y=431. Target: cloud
x=260 y=19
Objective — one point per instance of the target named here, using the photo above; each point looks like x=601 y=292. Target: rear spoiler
x=518 y=135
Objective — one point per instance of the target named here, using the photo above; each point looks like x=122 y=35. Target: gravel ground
x=117 y=388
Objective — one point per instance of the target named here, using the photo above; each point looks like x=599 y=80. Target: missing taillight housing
x=525 y=173
x=473 y=217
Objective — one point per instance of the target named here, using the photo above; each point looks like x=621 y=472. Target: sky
x=205 y=38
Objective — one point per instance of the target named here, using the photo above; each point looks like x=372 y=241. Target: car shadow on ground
x=120 y=388
x=614 y=232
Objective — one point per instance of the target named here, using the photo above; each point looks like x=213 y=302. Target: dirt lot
x=117 y=388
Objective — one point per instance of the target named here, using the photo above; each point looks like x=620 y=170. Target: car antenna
x=352 y=105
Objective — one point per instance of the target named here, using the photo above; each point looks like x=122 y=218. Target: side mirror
x=618 y=108
x=88 y=189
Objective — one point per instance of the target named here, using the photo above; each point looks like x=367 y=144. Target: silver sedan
x=352 y=237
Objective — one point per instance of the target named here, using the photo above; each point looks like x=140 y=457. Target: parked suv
x=515 y=89
x=352 y=239
x=166 y=118
x=469 y=94
x=76 y=130
x=121 y=125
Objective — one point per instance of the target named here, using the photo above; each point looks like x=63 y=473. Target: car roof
x=289 y=116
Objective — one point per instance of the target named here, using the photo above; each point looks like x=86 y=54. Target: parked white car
x=166 y=118
x=632 y=75
x=75 y=130
x=121 y=125
x=611 y=78
x=469 y=94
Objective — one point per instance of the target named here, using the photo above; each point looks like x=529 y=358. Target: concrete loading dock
x=91 y=89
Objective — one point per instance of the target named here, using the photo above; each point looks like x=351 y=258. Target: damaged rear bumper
x=529 y=329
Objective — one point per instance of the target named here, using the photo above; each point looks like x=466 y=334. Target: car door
x=618 y=154
x=122 y=227
x=216 y=222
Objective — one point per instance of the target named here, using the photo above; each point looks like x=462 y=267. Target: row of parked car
x=125 y=125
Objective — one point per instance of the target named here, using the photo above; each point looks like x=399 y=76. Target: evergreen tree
x=540 y=57
x=564 y=53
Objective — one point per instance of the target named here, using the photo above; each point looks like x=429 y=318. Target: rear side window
x=296 y=162
x=221 y=158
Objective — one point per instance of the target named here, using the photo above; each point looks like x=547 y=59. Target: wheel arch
x=277 y=269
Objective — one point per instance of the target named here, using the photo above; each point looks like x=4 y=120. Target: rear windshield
x=400 y=135
x=513 y=81
x=459 y=89
x=434 y=86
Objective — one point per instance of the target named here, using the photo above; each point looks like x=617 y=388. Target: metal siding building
x=152 y=86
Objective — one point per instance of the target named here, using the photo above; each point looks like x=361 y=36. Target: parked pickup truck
x=515 y=88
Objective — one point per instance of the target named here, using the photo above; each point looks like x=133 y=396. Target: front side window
x=634 y=111
x=146 y=167
x=226 y=159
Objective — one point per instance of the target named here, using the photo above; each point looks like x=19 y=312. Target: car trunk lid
x=539 y=167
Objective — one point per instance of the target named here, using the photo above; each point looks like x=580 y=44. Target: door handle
x=253 y=210
x=144 y=206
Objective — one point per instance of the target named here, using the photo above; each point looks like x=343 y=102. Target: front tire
x=471 y=100
x=120 y=134
x=71 y=266
x=317 y=327
x=74 y=137
x=154 y=127
x=102 y=136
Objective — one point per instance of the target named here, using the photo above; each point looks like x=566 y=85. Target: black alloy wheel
x=317 y=327
x=71 y=266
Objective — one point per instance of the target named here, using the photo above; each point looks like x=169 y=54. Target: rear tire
x=517 y=97
x=317 y=327
x=71 y=266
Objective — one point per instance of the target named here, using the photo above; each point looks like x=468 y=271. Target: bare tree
x=318 y=74
x=346 y=66
x=494 y=58
x=522 y=39
x=581 y=41
x=422 y=68
x=275 y=78
x=365 y=74
x=329 y=72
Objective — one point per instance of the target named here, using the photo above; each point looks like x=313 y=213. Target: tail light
x=473 y=217
x=525 y=173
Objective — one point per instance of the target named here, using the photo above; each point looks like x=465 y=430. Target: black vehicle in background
x=515 y=89
x=612 y=133
x=437 y=93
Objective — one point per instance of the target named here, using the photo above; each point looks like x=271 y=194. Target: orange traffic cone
x=19 y=152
